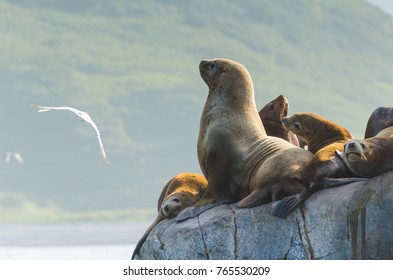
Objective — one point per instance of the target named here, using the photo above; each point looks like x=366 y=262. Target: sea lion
x=372 y=156
x=271 y=116
x=325 y=169
x=182 y=191
x=232 y=142
x=381 y=118
x=279 y=176
x=317 y=131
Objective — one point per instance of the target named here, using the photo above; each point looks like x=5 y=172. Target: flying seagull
x=83 y=115
x=9 y=155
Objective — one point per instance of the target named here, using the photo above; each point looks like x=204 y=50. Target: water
x=88 y=252
x=76 y=241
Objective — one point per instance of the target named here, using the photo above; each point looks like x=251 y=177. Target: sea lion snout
x=349 y=145
x=207 y=69
x=354 y=145
x=353 y=151
x=203 y=64
x=283 y=99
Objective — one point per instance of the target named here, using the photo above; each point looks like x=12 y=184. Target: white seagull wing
x=47 y=108
x=83 y=115
x=90 y=121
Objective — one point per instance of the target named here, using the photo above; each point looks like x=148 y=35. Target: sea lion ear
x=224 y=69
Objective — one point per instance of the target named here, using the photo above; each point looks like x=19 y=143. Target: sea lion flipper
x=193 y=211
x=286 y=206
x=335 y=182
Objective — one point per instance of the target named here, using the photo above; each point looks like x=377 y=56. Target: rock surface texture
x=354 y=221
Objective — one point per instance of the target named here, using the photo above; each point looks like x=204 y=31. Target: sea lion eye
x=296 y=125
x=213 y=66
x=175 y=199
x=363 y=146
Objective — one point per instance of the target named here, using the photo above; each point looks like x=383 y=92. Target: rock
x=354 y=221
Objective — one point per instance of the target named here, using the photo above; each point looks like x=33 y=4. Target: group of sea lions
x=252 y=158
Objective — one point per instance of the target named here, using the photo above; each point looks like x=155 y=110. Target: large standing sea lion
x=271 y=116
x=180 y=192
x=325 y=169
x=381 y=118
x=232 y=143
x=372 y=156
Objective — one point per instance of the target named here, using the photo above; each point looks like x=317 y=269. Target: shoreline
x=71 y=234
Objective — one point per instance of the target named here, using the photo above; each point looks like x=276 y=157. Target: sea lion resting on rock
x=325 y=169
x=232 y=143
x=180 y=192
x=372 y=156
x=381 y=118
x=271 y=116
x=278 y=176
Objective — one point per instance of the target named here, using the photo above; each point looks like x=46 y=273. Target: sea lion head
x=316 y=130
x=275 y=110
x=380 y=119
x=176 y=202
x=299 y=124
x=222 y=74
x=354 y=150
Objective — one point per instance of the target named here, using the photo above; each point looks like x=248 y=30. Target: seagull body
x=10 y=155
x=84 y=116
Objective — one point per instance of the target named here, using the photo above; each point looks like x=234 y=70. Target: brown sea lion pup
x=182 y=191
x=381 y=118
x=271 y=116
x=372 y=156
x=232 y=142
x=325 y=169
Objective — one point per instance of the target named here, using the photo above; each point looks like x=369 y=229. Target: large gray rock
x=354 y=221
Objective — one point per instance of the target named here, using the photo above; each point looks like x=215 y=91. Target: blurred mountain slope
x=133 y=66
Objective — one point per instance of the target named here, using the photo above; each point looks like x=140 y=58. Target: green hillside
x=133 y=65
x=16 y=209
